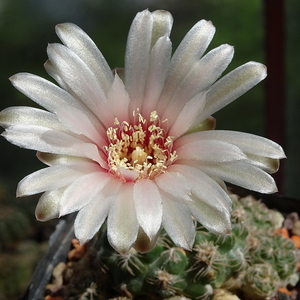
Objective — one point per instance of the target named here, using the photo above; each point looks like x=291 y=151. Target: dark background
x=27 y=26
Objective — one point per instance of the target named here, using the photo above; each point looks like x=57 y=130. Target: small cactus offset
x=251 y=262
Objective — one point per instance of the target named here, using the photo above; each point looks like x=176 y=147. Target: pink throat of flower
x=139 y=150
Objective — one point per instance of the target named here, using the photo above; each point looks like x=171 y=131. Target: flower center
x=139 y=150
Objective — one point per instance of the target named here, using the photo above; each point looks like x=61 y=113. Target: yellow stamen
x=140 y=147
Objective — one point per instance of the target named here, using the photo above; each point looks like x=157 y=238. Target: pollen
x=142 y=147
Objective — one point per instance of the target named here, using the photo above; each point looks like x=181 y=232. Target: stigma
x=139 y=150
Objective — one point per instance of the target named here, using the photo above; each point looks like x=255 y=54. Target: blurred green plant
x=252 y=261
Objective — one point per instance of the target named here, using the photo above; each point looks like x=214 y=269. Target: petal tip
x=259 y=69
x=82 y=241
x=272 y=190
x=19 y=192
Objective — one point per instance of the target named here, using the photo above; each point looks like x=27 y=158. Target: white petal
x=210 y=150
x=62 y=143
x=122 y=224
x=81 y=81
x=90 y=218
x=48 y=205
x=127 y=175
x=269 y=165
x=29 y=116
x=188 y=117
x=178 y=222
x=53 y=141
x=147 y=54
x=205 y=72
x=159 y=62
x=232 y=86
x=194 y=44
x=210 y=204
x=204 y=187
x=54 y=73
x=137 y=57
x=248 y=143
x=78 y=41
x=148 y=205
x=199 y=79
x=56 y=100
x=162 y=25
x=215 y=220
x=118 y=99
x=80 y=123
x=60 y=159
x=81 y=191
x=208 y=124
x=187 y=54
x=174 y=183
x=51 y=178
x=239 y=173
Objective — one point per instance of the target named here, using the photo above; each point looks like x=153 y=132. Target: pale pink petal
x=148 y=206
x=118 y=99
x=80 y=80
x=177 y=221
x=78 y=41
x=81 y=191
x=174 y=183
x=79 y=123
x=188 y=117
x=122 y=224
x=91 y=217
x=72 y=113
x=61 y=143
x=128 y=175
x=166 y=103
x=210 y=150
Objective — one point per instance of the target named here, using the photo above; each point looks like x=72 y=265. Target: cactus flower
x=137 y=146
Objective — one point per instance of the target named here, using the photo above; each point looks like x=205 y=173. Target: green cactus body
x=260 y=281
x=251 y=260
